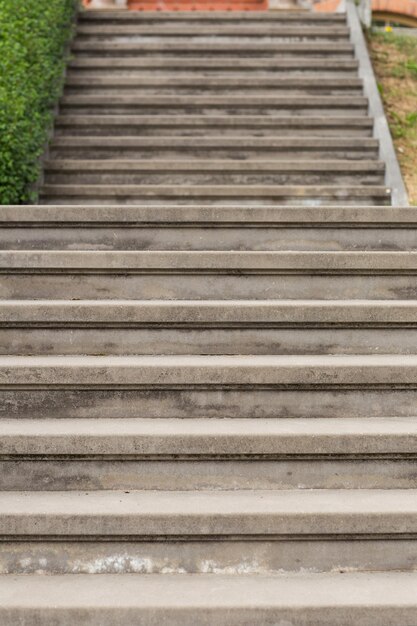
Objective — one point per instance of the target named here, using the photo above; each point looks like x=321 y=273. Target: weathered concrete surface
x=223 y=371
x=148 y=513
x=377 y=599
x=127 y=438
x=215 y=556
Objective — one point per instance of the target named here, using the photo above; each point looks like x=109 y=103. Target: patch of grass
x=394 y=59
x=33 y=38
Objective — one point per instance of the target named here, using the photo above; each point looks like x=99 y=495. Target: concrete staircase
x=208 y=410
x=214 y=108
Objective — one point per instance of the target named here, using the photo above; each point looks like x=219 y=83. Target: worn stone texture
x=207 y=392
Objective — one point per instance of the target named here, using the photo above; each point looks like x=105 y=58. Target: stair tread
x=224 y=370
x=295 y=512
x=230 y=437
x=391 y=593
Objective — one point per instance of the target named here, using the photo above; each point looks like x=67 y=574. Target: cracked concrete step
x=249 y=48
x=148 y=275
x=231 y=104
x=373 y=599
x=190 y=514
x=159 y=84
x=222 y=371
x=361 y=194
x=195 y=125
x=165 y=64
x=190 y=227
x=50 y=454
x=199 y=327
x=134 y=172
x=224 y=439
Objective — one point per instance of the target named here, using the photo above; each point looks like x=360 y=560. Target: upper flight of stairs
x=214 y=109
x=208 y=375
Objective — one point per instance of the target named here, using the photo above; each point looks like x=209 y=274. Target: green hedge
x=33 y=38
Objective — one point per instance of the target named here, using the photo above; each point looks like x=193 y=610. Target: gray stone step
x=212 y=371
x=239 y=30
x=361 y=194
x=212 y=125
x=231 y=104
x=207 y=228
x=199 y=327
x=98 y=147
x=136 y=84
x=375 y=599
x=228 y=275
x=59 y=454
x=276 y=64
x=209 y=48
x=147 y=514
x=281 y=172
x=130 y=172
x=223 y=439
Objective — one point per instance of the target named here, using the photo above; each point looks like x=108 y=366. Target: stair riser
x=208 y=286
x=172 y=178
x=227 y=616
x=67 y=474
x=181 y=403
x=178 y=44
x=65 y=340
x=150 y=152
x=136 y=107
x=279 y=65
x=165 y=72
x=291 y=130
x=206 y=18
x=223 y=90
x=254 y=32
x=287 y=200
x=316 y=49
x=214 y=557
x=192 y=238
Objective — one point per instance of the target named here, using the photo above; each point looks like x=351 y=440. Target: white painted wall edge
x=393 y=176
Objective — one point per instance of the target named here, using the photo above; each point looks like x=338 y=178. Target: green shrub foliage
x=33 y=39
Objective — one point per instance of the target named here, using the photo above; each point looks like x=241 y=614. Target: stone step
x=191 y=227
x=213 y=124
x=199 y=327
x=150 y=514
x=375 y=599
x=67 y=454
x=209 y=48
x=148 y=275
x=210 y=17
x=165 y=64
x=257 y=30
x=222 y=439
x=231 y=104
x=136 y=84
x=161 y=147
x=130 y=172
x=210 y=371
x=361 y=194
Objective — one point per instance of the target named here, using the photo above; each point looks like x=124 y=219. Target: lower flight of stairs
x=214 y=108
x=208 y=415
